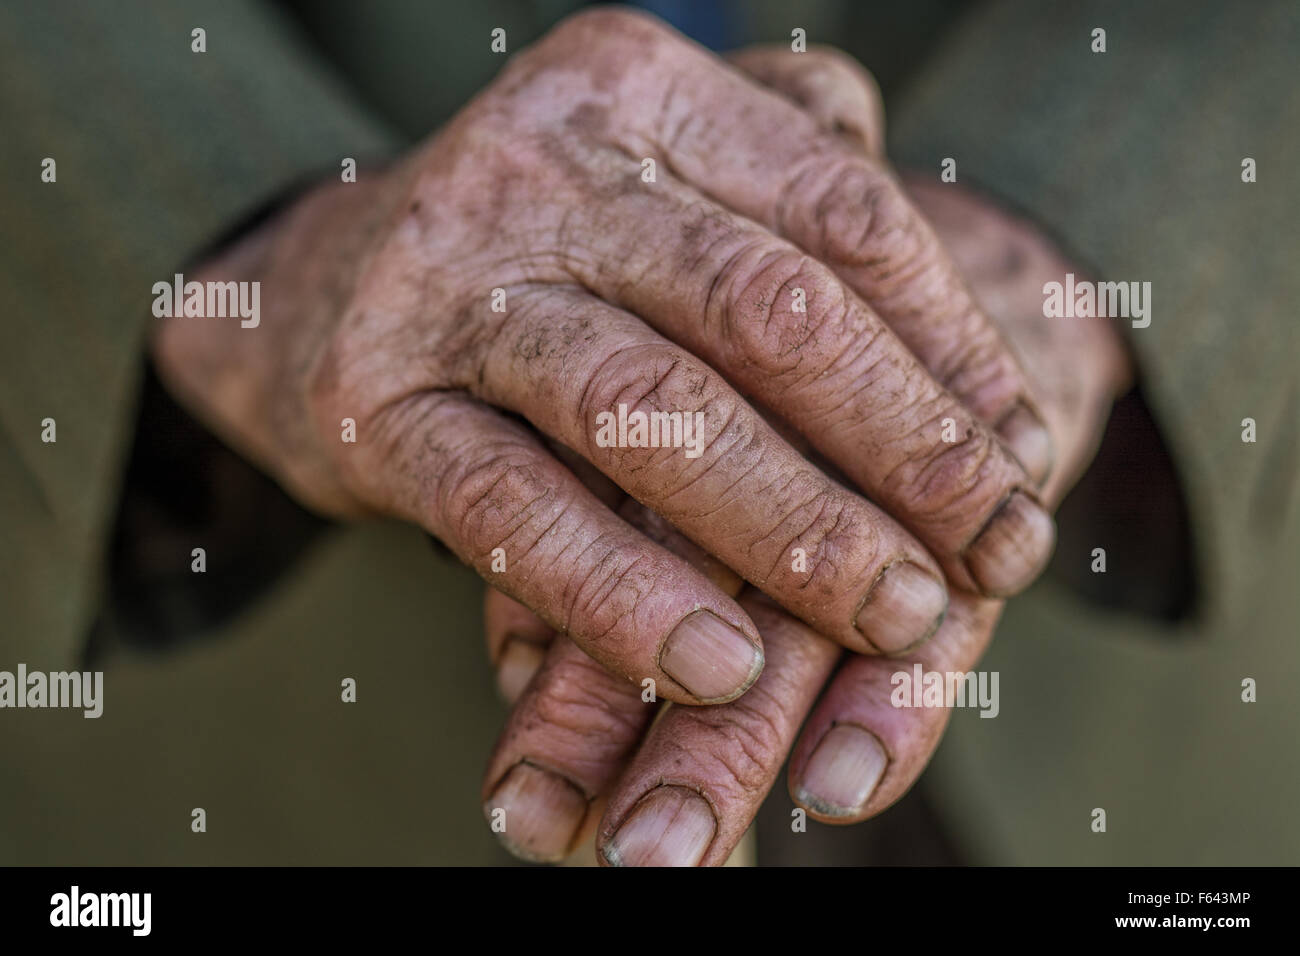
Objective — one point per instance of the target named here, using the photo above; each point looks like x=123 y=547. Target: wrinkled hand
x=579 y=746
x=677 y=295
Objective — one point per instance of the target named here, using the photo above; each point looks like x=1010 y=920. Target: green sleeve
x=1133 y=157
x=158 y=150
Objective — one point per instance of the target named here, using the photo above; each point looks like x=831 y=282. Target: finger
x=586 y=373
x=534 y=773
x=656 y=528
x=1074 y=369
x=692 y=789
x=487 y=488
x=786 y=330
x=571 y=731
x=832 y=87
x=517 y=640
x=653 y=526
x=843 y=99
x=755 y=153
x=858 y=752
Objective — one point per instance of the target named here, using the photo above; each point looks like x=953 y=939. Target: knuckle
x=745 y=740
x=488 y=501
x=626 y=373
x=941 y=480
x=857 y=217
x=731 y=459
x=607 y=25
x=667 y=387
x=815 y=519
x=839 y=546
x=981 y=371
x=601 y=51
x=784 y=312
x=608 y=586
x=584 y=703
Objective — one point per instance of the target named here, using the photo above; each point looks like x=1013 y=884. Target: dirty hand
x=623 y=225
x=581 y=750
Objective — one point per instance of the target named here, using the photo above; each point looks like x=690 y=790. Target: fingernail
x=670 y=826
x=1013 y=547
x=842 y=772
x=1024 y=433
x=905 y=606
x=710 y=658
x=543 y=813
x=519 y=662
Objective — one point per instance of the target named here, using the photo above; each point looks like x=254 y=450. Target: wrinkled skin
x=378 y=308
x=823 y=424
x=708 y=770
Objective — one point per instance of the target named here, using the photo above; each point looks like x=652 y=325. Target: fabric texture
x=158 y=150
x=1133 y=158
